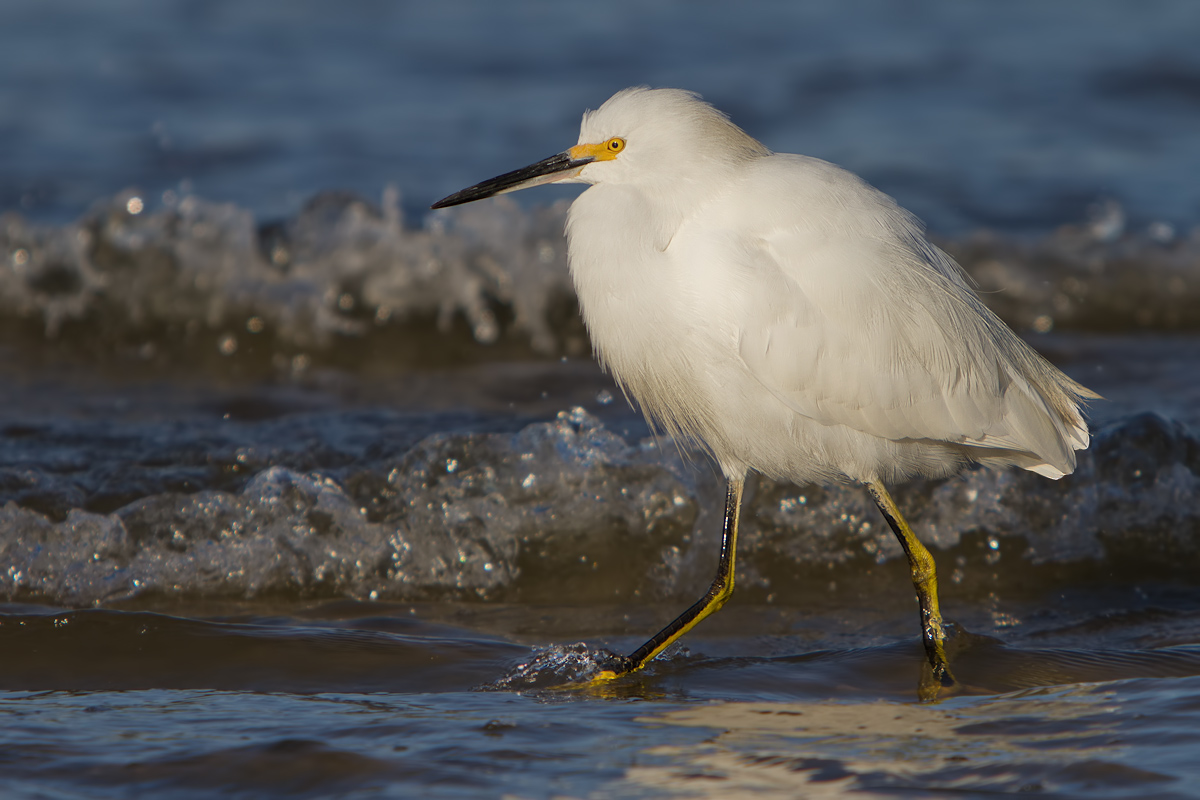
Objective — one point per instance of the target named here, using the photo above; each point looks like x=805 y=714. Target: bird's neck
x=692 y=188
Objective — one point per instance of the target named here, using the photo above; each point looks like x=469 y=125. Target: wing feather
x=866 y=324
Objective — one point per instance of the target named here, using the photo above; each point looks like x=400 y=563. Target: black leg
x=714 y=598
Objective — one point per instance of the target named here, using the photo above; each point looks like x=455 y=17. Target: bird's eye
x=615 y=144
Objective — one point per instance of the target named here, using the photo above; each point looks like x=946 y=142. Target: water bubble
x=1161 y=232
x=300 y=363
x=1106 y=220
x=487 y=330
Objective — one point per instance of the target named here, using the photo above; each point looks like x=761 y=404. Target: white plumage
x=791 y=319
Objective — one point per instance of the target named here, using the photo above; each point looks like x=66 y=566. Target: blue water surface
x=1016 y=115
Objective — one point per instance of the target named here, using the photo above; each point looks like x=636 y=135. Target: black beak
x=548 y=170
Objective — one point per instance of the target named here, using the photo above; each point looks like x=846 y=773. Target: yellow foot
x=936 y=676
x=616 y=667
x=605 y=677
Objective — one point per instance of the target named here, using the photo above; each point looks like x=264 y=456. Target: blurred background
x=1016 y=116
x=286 y=454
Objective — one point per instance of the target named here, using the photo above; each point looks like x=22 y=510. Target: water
x=305 y=491
x=1020 y=115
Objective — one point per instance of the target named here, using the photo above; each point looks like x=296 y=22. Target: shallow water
x=307 y=494
x=351 y=699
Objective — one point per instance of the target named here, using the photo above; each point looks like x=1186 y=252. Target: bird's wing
x=845 y=348
x=861 y=322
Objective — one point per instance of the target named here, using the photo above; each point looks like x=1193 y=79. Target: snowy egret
x=791 y=319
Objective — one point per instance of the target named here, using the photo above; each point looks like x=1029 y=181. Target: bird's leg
x=924 y=578
x=714 y=598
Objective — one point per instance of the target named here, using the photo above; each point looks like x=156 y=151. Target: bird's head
x=659 y=139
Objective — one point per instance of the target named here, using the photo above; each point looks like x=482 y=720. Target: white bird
x=791 y=319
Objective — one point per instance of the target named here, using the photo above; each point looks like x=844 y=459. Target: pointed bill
x=555 y=168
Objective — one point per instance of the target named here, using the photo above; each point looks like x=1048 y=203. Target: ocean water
x=308 y=491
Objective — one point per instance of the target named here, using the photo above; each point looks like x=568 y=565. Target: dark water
x=304 y=492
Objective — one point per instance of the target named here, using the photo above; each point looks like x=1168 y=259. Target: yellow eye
x=601 y=151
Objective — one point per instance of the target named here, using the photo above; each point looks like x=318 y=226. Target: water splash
x=570 y=506
x=196 y=274
x=557 y=666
